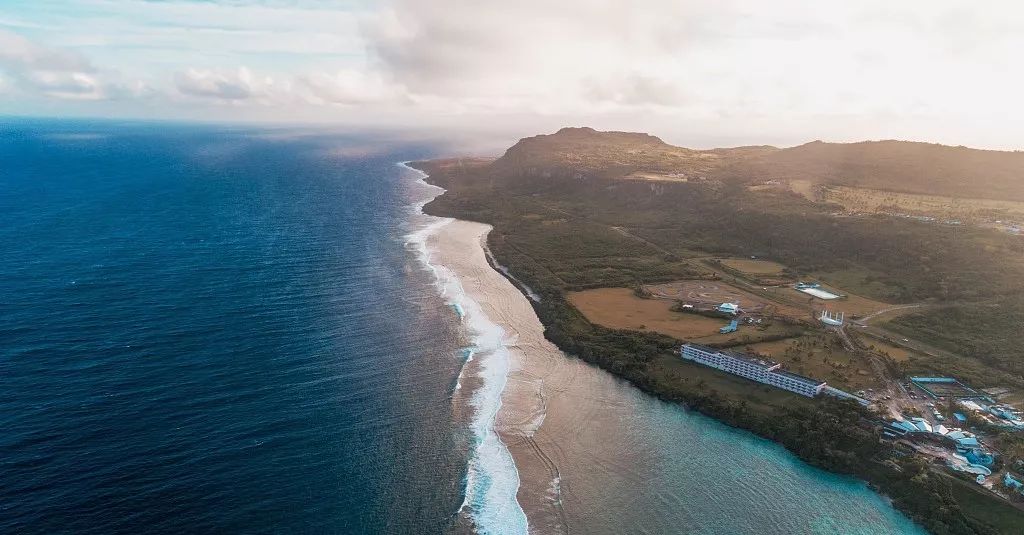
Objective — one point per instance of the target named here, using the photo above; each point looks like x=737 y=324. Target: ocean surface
x=210 y=329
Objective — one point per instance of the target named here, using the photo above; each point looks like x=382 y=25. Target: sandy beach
x=560 y=418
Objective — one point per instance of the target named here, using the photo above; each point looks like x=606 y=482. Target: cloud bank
x=699 y=71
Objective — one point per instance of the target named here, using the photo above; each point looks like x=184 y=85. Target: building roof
x=729 y=306
x=905 y=425
x=800 y=378
x=740 y=356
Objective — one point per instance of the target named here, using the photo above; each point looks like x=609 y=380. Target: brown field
x=620 y=308
x=753 y=267
x=897 y=353
x=808 y=355
x=656 y=177
x=804 y=187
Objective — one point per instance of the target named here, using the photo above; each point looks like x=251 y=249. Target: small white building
x=729 y=308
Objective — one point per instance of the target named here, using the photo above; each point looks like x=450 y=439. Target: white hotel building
x=762 y=371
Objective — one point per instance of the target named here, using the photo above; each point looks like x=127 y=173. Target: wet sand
x=596 y=455
x=535 y=422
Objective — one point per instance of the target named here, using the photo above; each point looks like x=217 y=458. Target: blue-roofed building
x=959 y=417
x=728 y=308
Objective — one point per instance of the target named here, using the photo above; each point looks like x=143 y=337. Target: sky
x=697 y=73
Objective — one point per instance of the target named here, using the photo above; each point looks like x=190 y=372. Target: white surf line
x=504 y=271
x=492 y=479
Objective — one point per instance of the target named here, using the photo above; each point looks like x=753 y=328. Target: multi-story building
x=753 y=368
x=805 y=386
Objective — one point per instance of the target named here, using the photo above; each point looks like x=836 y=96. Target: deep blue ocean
x=213 y=329
x=207 y=329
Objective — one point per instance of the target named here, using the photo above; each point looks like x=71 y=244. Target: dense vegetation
x=559 y=230
x=989 y=332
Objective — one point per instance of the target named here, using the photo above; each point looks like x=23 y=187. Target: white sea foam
x=526 y=289
x=492 y=480
x=467 y=354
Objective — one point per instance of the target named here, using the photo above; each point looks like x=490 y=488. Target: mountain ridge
x=892 y=165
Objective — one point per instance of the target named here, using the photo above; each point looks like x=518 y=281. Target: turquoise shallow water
x=708 y=478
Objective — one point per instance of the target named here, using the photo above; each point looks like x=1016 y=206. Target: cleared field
x=620 y=308
x=805 y=188
x=700 y=292
x=871 y=200
x=657 y=177
x=753 y=267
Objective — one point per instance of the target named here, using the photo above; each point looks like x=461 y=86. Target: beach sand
x=560 y=417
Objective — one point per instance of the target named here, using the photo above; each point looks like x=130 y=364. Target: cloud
x=779 y=72
x=20 y=54
x=58 y=73
x=832 y=68
x=346 y=87
x=228 y=86
x=350 y=87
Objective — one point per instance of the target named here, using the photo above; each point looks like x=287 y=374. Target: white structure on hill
x=762 y=371
x=834 y=319
x=729 y=308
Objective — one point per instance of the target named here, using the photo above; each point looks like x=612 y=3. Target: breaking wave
x=492 y=479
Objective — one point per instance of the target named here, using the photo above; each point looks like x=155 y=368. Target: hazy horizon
x=695 y=73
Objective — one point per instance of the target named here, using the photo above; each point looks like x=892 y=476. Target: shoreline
x=460 y=246
x=454 y=251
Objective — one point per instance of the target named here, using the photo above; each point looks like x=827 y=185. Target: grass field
x=753 y=267
x=897 y=353
x=852 y=304
x=820 y=356
x=870 y=284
